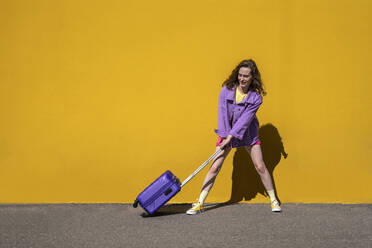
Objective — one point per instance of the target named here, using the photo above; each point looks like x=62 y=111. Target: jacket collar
x=230 y=95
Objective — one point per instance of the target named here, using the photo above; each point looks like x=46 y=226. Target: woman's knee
x=216 y=166
x=260 y=167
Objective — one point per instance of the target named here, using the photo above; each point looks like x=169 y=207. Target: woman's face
x=244 y=77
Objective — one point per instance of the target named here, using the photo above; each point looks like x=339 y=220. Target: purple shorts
x=219 y=141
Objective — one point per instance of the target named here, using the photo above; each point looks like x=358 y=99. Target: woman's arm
x=245 y=119
x=221 y=115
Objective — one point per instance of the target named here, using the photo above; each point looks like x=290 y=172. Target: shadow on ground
x=169 y=209
x=172 y=209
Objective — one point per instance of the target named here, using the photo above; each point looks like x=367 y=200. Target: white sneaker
x=275 y=207
x=196 y=209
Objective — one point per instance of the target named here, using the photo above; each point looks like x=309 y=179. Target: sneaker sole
x=193 y=213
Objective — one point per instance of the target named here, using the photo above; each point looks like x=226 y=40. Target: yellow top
x=239 y=96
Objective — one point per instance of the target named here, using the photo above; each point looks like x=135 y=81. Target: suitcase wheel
x=135 y=203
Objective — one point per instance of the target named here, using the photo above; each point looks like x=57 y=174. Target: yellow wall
x=98 y=98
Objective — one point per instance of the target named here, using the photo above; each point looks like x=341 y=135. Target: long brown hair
x=256 y=83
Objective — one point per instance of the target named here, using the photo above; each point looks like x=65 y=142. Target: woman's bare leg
x=256 y=155
x=214 y=169
x=209 y=181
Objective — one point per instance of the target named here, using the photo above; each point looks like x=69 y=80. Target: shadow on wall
x=246 y=182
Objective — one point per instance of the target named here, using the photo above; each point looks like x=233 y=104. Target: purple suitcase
x=159 y=192
x=164 y=188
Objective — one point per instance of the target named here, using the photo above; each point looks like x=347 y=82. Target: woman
x=239 y=100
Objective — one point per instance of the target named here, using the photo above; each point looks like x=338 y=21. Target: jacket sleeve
x=221 y=117
x=246 y=118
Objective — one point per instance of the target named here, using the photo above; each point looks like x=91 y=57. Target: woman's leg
x=209 y=181
x=215 y=169
x=256 y=155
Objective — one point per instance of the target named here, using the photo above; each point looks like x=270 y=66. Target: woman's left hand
x=226 y=141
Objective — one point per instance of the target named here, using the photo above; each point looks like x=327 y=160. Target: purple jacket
x=238 y=119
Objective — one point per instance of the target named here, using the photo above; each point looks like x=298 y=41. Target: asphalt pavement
x=222 y=225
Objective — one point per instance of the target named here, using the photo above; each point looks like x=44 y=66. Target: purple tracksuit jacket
x=238 y=119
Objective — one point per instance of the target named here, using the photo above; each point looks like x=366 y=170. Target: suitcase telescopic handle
x=201 y=167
